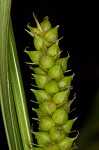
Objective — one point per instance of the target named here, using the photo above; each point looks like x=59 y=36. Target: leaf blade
x=19 y=96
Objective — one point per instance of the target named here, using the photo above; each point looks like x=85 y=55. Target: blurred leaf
x=89 y=133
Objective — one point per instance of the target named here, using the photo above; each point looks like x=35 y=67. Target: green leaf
x=4 y=76
x=12 y=96
x=18 y=92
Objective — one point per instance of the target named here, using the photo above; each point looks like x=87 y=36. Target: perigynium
x=53 y=88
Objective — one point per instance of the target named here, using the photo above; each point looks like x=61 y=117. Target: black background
x=78 y=23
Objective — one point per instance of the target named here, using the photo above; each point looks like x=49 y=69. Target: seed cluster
x=53 y=90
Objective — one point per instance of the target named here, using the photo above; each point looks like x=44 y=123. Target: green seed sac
x=60 y=116
x=48 y=107
x=52 y=87
x=46 y=62
x=57 y=134
x=46 y=124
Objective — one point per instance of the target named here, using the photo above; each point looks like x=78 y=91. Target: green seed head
x=53 y=87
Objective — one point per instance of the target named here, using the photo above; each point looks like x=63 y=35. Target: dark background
x=78 y=23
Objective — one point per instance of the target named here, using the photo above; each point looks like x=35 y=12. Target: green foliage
x=12 y=96
x=88 y=138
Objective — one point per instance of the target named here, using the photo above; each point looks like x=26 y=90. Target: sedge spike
x=53 y=88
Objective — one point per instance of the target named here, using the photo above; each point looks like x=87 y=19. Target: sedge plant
x=51 y=89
